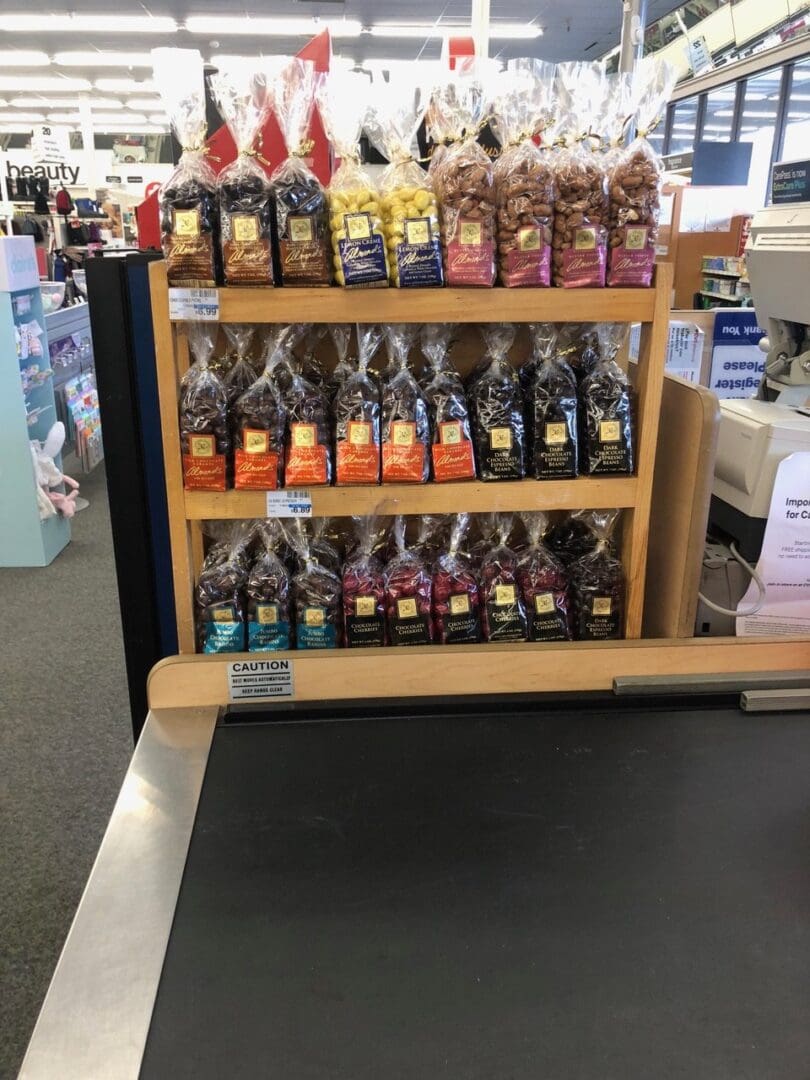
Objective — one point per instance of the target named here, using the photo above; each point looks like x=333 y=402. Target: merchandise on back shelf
x=598 y=585
x=496 y=408
x=503 y=616
x=524 y=177
x=316 y=597
x=409 y=203
x=579 y=346
x=341 y=335
x=268 y=594
x=408 y=594
x=452 y=449
x=432 y=536
x=635 y=181
x=572 y=536
x=405 y=424
x=242 y=373
x=581 y=210
x=220 y=593
x=321 y=547
x=455 y=591
x=553 y=410
x=364 y=587
x=357 y=417
x=189 y=210
x=311 y=367
x=258 y=420
x=358 y=241
x=302 y=212
x=543 y=584
x=463 y=176
x=607 y=408
x=245 y=196
x=308 y=442
x=204 y=437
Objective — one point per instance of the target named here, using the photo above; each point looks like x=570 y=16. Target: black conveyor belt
x=570 y=894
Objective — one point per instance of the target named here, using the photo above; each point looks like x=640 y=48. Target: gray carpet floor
x=65 y=742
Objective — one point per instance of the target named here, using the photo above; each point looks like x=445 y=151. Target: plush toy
x=50 y=476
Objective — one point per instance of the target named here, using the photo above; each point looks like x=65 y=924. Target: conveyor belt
x=560 y=895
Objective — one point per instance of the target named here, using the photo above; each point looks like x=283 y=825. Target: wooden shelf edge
x=469 y=305
x=582 y=494
x=425 y=671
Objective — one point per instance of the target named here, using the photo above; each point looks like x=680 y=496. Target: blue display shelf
x=25 y=538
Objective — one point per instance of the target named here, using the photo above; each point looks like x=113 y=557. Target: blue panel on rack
x=25 y=539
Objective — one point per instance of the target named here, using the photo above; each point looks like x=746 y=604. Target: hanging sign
x=50 y=144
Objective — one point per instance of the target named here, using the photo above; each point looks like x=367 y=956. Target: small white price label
x=194 y=305
x=289 y=503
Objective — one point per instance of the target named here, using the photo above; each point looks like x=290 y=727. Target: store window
x=758 y=126
x=684 y=126
x=719 y=117
x=797 y=120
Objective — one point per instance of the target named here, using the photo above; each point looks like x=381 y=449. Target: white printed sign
x=18 y=264
x=251 y=680
x=289 y=503
x=194 y=305
x=50 y=144
x=784 y=563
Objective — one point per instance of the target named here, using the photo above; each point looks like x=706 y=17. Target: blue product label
x=362 y=253
x=268 y=637
x=420 y=264
x=224 y=637
x=314 y=631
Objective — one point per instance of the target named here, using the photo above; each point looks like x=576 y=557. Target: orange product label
x=453 y=461
x=306 y=464
x=204 y=473
x=257 y=471
x=403 y=463
x=357 y=463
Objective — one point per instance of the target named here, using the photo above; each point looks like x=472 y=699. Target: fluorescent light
x=124 y=118
x=23 y=117
x=723 y=112
x=95 y=58
x=34 y=23
x=223 y=24
x=42 y=83
x=43 y=103
x=143 y=104
x=749 y=113
x=683 y=127
x=125 y=86
x=799 y=97
x=23 y=58
x=67 y=119
x=133 y=129
x=502 y=30
x=158 y=118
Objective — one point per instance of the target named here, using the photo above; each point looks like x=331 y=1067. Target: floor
x=65 y=742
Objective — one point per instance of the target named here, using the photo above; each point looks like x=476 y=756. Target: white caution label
x=194 y=305
x=252 y=680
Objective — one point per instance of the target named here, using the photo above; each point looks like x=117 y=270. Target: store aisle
x=65 y=741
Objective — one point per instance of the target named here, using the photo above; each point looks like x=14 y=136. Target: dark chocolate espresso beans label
x=501 y=456
x=600 y=618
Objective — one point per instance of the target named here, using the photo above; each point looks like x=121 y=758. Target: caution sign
x=253 y=680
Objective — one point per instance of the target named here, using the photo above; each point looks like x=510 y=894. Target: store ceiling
x=572 y=30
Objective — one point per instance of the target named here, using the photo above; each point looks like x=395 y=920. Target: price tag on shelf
x=194 y=305
x=289 y=503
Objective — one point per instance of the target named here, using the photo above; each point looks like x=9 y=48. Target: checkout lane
x=456 y=892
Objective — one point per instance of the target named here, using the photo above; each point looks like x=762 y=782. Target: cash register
x=756 y=434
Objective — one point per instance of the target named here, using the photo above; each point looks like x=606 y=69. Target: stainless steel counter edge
x=96 y=1015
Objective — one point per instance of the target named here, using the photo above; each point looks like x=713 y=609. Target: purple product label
x=528 y=268
x=363 y=259
x=420 y=264
x=632 y=262
x=584 y=269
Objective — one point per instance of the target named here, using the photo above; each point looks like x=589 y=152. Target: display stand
x=475 y=669
x=25 y=538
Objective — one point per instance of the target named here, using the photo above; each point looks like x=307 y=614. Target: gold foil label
x=543 y=603
x=314 y=616
x=417 y=230
x=186 y=223
x=358 y=226
x=556 y=434
x=610 y=431
x=255 y=442
x=470 y=233
x=504 y=595
x=365 y=605
x=300 y=230
x=406 y=609
x=460 y=605
x=500 y=438
x=245 y=228
x=267 y=614
x=304 y=435
x=602 y=605
x=403 y=433
x=585 y=240
x=202 y=446
x=529 y=239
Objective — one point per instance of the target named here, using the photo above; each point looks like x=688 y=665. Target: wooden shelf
x=335 y=305
x=721 y=273
x=581 y=494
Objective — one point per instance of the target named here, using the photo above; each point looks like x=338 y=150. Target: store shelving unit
x=633 y=494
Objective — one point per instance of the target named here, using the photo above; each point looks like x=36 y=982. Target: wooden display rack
x=481 y=668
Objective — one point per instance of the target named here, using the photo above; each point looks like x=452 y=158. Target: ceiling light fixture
x=22 y=117
x=63 y=103
x=45 y=83
x=103 y=59
x=158 y=118
x=125 y=86
x=501 y=30
x=125 y=118
x=248 y=27
x=24 y=58
x=35 y=23
x=144 y=104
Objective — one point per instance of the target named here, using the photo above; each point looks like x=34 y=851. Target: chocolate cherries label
x=408 y=627
x=504 y=616
x=548 y=621
x=461 y=622
x=365 y=627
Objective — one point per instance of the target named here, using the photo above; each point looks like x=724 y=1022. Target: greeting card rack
x=343 y=673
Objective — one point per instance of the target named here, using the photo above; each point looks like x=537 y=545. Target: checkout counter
x=604 y=884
